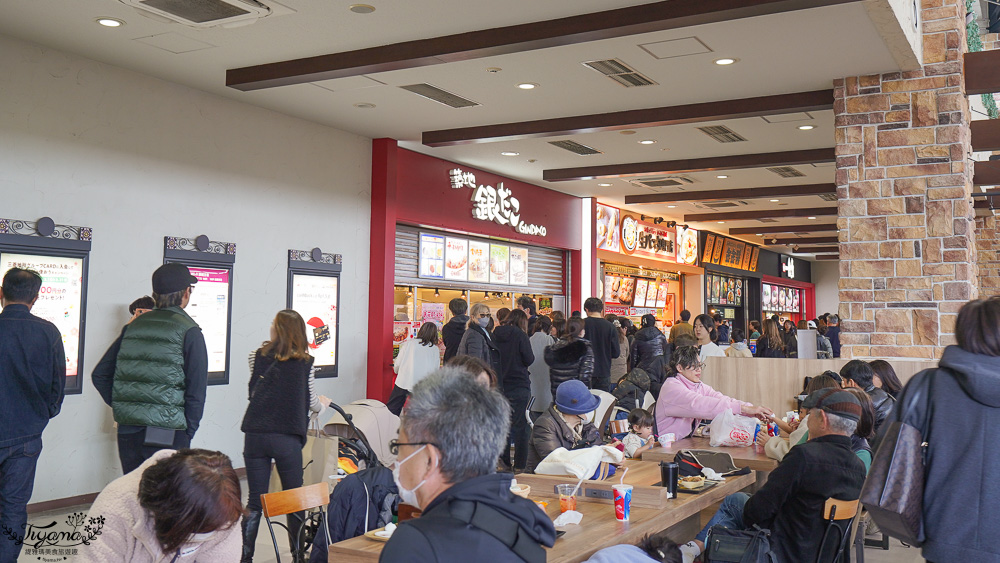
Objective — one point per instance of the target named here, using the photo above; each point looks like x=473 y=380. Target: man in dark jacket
x=603 y=336
x=833 y=333
x=857 y=373
x=560 y=426
x=33 y=369
x=791 y=503
x=651 y=352
x=453 y=330
x=527 y=304
x=163 y=349
x=450 y=436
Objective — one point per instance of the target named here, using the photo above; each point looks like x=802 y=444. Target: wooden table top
x=752 y=456
x=643 y=476
x=599 y=528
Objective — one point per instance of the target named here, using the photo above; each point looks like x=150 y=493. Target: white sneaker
x=689 y=551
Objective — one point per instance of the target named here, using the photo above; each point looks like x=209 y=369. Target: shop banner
x=648 y=240
x=687 y=246
x=732 y=253
x=621 y=232
x=608 y=229
x=433 y=313
x=499 y=263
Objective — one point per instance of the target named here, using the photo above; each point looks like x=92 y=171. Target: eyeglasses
x=484 y=315
x=394 y=445
x=697 y=367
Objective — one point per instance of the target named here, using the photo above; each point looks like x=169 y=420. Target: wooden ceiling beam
x=986 y=173
x=783 y=229
x=828 y=256
x=762 y=214
x=815 y=249
x=687 y=166
x=981 y=76
x=633 y=119
x=803 y=240
x=985 y=135
x=609 y=24
x=738 y=193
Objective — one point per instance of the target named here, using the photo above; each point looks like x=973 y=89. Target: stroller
x=366 y=422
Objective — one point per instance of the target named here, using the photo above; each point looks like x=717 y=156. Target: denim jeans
x=17 y=469
x=729 y=515
x=132 y=453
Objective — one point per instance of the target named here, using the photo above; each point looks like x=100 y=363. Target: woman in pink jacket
x=684 y=399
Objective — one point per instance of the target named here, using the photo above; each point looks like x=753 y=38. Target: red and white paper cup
x=623 y=501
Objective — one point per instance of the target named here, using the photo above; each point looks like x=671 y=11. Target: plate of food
x=694 y=484
x=625 y=293
x=382 y=534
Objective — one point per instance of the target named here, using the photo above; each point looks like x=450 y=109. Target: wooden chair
x=290 y=502
x=603 y=411
x=846 y=513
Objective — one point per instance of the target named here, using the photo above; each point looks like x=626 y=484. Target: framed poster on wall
x=60 y=255
x=211 y=304
x=314 y=293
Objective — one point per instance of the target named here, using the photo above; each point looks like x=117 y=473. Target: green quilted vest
x=149 y=373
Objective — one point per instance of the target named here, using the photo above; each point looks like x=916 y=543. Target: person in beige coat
x=178 y=506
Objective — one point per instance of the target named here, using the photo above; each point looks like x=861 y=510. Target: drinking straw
x=622 y=482
x=577 y=487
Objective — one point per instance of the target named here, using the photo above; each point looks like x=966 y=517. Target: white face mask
x=409 y=496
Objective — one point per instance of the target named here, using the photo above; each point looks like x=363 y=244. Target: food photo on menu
x=687 y=246
x=456 y=259
x=607 y=228
x=641 y=286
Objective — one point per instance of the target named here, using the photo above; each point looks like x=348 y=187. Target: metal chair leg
x=274 y=541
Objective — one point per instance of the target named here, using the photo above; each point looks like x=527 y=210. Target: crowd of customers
x=458 y=422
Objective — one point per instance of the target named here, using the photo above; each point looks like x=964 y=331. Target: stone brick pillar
x=988 y=246
x=905 y=213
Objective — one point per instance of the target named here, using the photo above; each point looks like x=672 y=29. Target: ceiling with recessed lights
x=783 y=53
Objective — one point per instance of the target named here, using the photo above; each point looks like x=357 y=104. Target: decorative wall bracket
x=315 y=255
x=46 y=233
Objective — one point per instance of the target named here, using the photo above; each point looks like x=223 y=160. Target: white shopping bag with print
x=730 y=429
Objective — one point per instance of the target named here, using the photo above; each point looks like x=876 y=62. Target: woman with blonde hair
x=478 y=340
x=282 y=394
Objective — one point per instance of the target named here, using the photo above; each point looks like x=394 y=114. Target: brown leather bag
x=893 y=493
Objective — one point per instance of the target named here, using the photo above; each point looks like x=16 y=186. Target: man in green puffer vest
x=154 y=376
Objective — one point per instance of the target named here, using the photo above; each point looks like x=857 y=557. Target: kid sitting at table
x=640 y=437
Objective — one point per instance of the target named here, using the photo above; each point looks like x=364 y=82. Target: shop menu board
x=316 y=299
x=724 y=290
x=459 y=259
x=608 y=230
x=781 y=299
x=641 y=286
x=731 y=253
x=60 y=298
x=209 y=307
x=636 y=292
x=431 y=256
x=619 y=290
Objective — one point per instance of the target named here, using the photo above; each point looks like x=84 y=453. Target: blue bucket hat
x=573 y=397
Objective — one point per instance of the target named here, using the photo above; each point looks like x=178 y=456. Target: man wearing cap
x=155 y=374
x=791 y=503
x=565 y=424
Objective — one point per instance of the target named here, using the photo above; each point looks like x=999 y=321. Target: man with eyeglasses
x=154 y=375
x=450 y=435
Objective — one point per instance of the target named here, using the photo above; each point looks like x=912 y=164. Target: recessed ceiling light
x=758 y=234
x=364 y=105
x=722 y=176
x=806 y=127
x=361 y=8
x=812 y=217
x=604 y=185
x=110 y=22
x=527 y=85
x=775 y=200
x=647 y=142
x=509 y=153
x=721 y=222
x=725 y=61
x=671 y=206
x=627 y=132
x=493 y=69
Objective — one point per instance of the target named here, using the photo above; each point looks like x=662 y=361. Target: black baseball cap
x=834 y=401
x=171 y=278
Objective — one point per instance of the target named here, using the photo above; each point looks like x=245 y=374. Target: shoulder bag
x=725 y=545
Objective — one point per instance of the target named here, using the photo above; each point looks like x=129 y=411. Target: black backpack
x=724 y=545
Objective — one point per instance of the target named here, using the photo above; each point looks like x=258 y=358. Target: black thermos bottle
x=669 y=472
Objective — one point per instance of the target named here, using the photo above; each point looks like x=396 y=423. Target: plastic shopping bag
x=730 y=429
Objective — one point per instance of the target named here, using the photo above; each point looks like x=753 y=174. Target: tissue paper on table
x=711 y=474
x=569 y=517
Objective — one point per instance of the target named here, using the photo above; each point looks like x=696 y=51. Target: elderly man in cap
x=791 y=503
x=154 y=375
x=450 y=435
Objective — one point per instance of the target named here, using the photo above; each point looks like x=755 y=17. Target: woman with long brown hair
x=277 y=419
x=516 y=357
x=770 y=344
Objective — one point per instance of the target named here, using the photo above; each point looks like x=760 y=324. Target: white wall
x=137 y=158
x=826 y=276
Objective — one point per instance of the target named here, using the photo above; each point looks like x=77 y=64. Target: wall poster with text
x=317 y=299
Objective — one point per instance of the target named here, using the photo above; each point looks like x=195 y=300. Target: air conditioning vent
x=575 y=147
x=204 y=13
x=722 y=204
x=722 y=134
x=828 y=197
x=786 y=171
x=620 y=72
x=655 y=183
x=440 y=96
x=768 y=220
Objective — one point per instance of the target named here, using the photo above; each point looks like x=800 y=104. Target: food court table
x=599 y=528
x=752 y=456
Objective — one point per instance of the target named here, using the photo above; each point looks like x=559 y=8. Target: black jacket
x=603 y=336
x=651 y=352
x=764 y=349
x=477 y=342
x=883 y=404
x=958 y=521
x=33 y=368
x=367 y=495
x=791 y=341
x=631 y=390
x=279 y=397
x=440 y=535
x=833 y=333
x=551 y=432
x=515 y=357
x=791 y=502
x=452 y=333
x=569 y=360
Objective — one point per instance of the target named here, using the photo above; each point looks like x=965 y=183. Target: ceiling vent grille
x=204 y=13
x=575 y=147
x=828 y=197
x=786 y=171
x=768 y=220
x=440 y=96
x=620 y=72
x=723 y=204
x=722 y=134
x=659 y=182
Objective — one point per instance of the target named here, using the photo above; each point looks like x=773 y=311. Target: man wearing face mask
x=450 y=435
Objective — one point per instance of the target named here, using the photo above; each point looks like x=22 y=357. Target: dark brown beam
x=986 y=173
x=804 y=240
x=742 y=161
x=985 y=135
x=739 y=193
x=989 y=202
x=987 y=193
x=782 y=229
x=828 y=256
x=633 y=119
x=621 y=22
x=815 y=249
x=981 y=76
x=761 y=214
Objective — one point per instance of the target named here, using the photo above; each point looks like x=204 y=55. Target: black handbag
x=893 y=493
x=725 y=545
